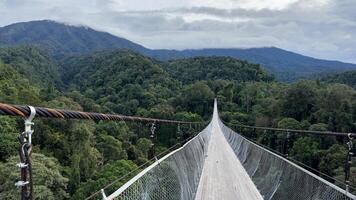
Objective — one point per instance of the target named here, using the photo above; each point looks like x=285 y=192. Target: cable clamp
x=22 y=165
x=21 y=183
x=29 y=123
x=153 y=128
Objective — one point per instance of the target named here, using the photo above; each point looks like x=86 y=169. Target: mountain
x=61 y=39
x=286 y=65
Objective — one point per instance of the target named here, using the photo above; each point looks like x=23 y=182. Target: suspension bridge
x=217 y=163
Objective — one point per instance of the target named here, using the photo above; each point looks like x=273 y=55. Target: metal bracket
x=153 y=129
x=21 y=183
x=22 y=165
x=25 y=140
x=29 y=123
x=349 y=143
x=103 y=194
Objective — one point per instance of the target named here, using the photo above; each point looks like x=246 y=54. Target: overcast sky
x=319 y=28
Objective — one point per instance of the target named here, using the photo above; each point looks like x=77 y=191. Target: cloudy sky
x=320 y=28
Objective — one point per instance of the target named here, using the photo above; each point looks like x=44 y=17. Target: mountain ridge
x=62 y=39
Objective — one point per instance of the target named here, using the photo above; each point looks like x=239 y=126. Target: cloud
x=319 y=28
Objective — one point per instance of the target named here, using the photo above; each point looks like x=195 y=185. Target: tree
x=305 y=150
x=299 y=100
x=114 y=170
x=286 y=139
x=197 y=98
x=144 y=145
x=332 y=159
x=289 y=123
x=118 y=130
x=110 y=148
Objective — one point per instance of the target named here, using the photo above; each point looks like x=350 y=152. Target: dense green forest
x=348 y=78
x=74 y=158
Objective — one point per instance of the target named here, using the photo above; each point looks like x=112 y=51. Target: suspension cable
x=23 y=111
x=288 y=131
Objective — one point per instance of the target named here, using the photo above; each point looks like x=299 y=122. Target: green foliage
x=121 y=80
x=305 y=150
x=144 y=145
x=299 y=100
x=289 y=123
x=110 y=148
x=49 y=183
x=32 y=63
x=190 y=70
x=8 y=137
x=332 y=159
x=348 y=78
x=319 y=127
x=109 y=173
x=15 y=88
x=196 y=98
x=92 y=154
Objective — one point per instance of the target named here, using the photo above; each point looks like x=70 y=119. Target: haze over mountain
x=60 y=39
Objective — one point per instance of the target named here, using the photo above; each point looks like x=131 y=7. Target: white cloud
x=320 y=28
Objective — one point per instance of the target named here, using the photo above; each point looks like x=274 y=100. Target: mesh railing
x=174 y=177
x=278 y=178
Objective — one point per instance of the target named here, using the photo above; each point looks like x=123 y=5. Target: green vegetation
x=348 y=78
x=83 y=156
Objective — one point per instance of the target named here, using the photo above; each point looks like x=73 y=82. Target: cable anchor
x=25 y=152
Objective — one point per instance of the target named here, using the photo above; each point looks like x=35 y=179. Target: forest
x=74 y=158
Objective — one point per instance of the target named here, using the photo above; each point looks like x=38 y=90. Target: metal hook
x=28 y=124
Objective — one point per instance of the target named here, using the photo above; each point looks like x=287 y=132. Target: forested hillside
x=348 y=78
x=60 y=39
x=74 y=158
x=33 y=63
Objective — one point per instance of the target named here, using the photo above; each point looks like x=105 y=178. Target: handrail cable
x=24 y=111
x=326 y=133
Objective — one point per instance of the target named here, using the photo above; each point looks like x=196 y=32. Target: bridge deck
x=223 y=175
